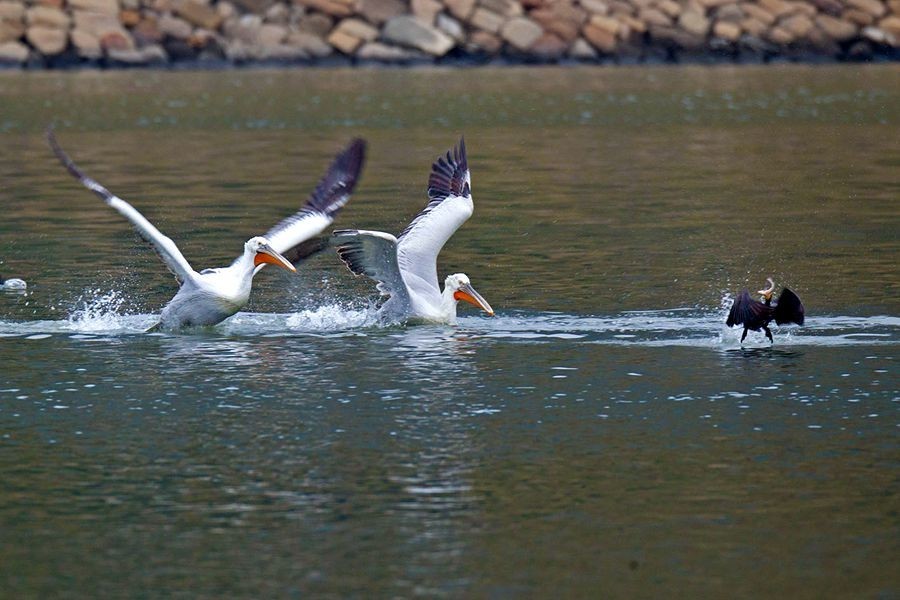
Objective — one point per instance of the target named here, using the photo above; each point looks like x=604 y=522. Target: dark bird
x=757 y=315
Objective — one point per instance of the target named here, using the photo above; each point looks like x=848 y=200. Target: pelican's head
x=767 y=293
x=462 y=289
x=264 y=253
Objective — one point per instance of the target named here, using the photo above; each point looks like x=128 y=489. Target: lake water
x=605 y=435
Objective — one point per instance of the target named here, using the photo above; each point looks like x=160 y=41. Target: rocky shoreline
x=121 y=33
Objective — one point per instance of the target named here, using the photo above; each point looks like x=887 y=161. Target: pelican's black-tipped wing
x=789 y=308
x=748 y=312
x=330 y=195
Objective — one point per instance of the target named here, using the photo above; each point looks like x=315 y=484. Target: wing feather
x=373 y=254
x=749 y=312
x=330 y=195
x=450 y=205
x=164 y=246
x=789 y=308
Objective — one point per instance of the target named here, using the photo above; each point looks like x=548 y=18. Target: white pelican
x=405 y=267
x=12 y=284
x=757 y=315
x=212 y=295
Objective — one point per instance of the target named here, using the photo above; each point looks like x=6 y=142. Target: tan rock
x=379 y=11
x=316 y=23
x=98 y=25
x=891 y=25
x=608 y=24
x=85 y=44
x=822 y=43
x=799 y=25
x=48 y=17
x=272 y=34
x=336 y=8
x=507 y=8
x=145 y=33
x=676 y=37
x=582 y=50
x=894 y=6
x=521 y=33
x=727 y=31
x=484 y=42
x=859 y=17
x=803 y=8
x=344 y=42
x=694 y=23
x=197 y=13
x=226 y=10
x=836 y=29
x=451 y=27
x=461 y=9
x=730 y=12
x=116 y=40
x=174 y=27
x=486 y=20
x=669 y=8
x=358 y=29
x=426 y=10
x=779 y=35
x=309 y=43
x=406 y=30
x=775 y=7
x=600 y=37
x=621 y=7
x=757 y=12
x=710 y=4
x=108 y=7
x=130 y=18
x=597 y=7
x=562 y=18
x=652 y=16
x=634 y=24
x=548 y=46
x=14 y=53
x=49 y=41
x=876 y=8
x=12 y=11
x=754 y=27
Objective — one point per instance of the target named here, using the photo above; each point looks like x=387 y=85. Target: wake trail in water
x=101 y=315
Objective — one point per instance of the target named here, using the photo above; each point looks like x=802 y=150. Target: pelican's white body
x=13 y=285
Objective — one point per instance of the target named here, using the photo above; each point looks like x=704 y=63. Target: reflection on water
x=604 y=435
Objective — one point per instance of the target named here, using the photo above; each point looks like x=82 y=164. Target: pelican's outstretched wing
x=332 y=193
x=164 y=246
x=373 y=254
x=450 y=205
x=748 y=312
x=789 y=308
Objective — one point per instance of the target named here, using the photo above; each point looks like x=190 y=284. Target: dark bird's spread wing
x=789 y=308
x=748 y=312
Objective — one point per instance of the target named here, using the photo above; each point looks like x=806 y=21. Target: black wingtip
x=334 y=190
x=789 y=308
x=449 y=174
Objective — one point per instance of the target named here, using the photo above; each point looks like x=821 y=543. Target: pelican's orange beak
x=468 y=293
x=268 y=255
